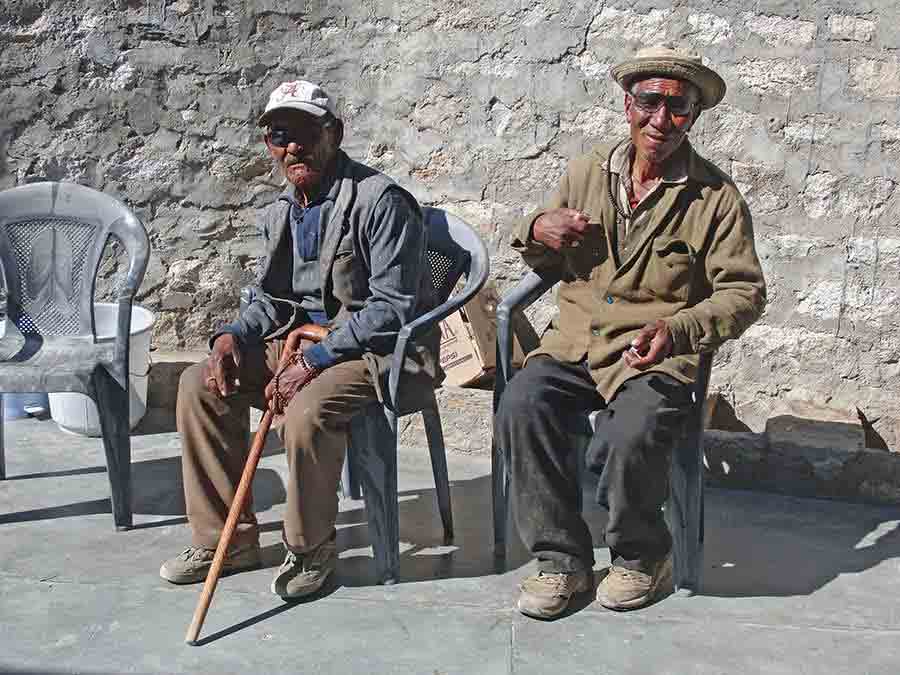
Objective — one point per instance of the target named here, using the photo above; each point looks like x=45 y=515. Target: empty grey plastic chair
x=685 y=508
x=52 y=238
x=370 y=469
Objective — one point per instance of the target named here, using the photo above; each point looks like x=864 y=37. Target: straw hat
x=666 y=61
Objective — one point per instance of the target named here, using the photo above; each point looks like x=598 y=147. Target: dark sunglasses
x=650 y=102
x=281 y=138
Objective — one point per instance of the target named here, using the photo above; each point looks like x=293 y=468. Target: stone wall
x=476 y=106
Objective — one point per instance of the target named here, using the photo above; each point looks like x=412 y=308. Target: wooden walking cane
x=310 y=332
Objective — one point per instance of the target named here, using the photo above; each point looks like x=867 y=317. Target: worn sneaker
x=624 y=589
x=546 y=594
x=302 y=574
x=193 y=563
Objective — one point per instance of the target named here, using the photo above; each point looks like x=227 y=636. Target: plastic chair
x=52 y=238
x=684 y=511
x=370 y=468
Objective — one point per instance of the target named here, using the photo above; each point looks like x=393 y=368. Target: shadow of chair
x=796 y=545
x=158 y=491
x=52 y=239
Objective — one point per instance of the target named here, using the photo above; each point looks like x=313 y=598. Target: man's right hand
x=559 y=228
x=221 y=368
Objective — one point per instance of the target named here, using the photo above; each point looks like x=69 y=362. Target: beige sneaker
x=624 y=589
x=546 y=595
x=193 y=563
x=302 y=574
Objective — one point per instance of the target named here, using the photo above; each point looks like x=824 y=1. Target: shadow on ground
x=757 y=544
x=157 y=490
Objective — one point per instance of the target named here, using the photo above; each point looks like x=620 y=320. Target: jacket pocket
x=349 y=277
x=671 y=269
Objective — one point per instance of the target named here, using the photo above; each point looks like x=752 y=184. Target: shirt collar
x=676 y=171
x=330 y=186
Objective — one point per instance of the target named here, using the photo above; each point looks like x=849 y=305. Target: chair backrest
x=52 y=239
x=453 y=250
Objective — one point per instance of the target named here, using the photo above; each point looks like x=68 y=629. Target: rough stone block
x=762 y=187
x=729 y=130
x=819 y=193
x=828 y=430
x=648 y=28
x=878 y=79
x=165 y=370
x=466 y=418
x=776 y=77
x=852 y=28
x=779 y=30
x=709 y=29
x=736 y=459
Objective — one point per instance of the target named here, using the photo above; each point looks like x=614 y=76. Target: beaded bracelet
x=298 y=358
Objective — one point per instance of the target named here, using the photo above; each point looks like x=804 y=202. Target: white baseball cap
x=298 y=95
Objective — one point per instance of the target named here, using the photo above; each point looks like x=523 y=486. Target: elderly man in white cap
x=655 y=248
x=345 y=249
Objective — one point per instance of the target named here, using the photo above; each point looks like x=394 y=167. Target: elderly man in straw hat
x=655 y=246
x=345 y=249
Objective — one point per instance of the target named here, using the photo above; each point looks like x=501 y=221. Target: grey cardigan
x=375 y=278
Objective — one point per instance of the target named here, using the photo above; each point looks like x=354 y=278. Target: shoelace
x=192 y=553
x=554 y=581
x=629 y=574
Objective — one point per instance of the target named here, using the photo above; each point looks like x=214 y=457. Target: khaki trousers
x=215 y=436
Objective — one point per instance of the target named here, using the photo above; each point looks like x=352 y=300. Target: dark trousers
x=630 y=450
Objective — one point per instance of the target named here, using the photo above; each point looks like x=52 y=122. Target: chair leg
x=500 y=497
x=345 y=474
x=377 y=461
x=2 y=453
x=685 y=515
x=436 y=448
x=112 y=405
x=349 y=473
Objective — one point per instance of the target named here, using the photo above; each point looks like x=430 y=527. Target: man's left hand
x=290 y=379
x=651 y=346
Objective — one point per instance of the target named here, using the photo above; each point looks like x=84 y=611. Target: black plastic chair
x=684 y=511
x=52 y=239
x=370 y=469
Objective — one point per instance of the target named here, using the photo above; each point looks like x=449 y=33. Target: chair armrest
x=136 y=241
x=532 y=287
x=475 y=279
x=134 y=237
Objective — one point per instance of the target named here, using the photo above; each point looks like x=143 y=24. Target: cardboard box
x=461 y=358
x=469 y=339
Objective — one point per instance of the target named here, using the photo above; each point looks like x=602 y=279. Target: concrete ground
x=790 y=585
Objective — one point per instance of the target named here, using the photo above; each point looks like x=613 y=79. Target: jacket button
x=609 y=299
x=595 y=332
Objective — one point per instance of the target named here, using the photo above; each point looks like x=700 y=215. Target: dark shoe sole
x=550 y=616
x=306 y=592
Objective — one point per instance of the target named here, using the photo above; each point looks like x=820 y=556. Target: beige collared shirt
x=620 y=164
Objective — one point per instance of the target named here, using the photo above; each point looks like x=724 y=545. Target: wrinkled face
x=302 y=147
x=660 y=112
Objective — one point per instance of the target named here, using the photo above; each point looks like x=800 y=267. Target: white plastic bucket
x=78 y=413
x=20 y=406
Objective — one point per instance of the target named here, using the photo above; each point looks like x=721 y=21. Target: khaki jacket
x=689 y=259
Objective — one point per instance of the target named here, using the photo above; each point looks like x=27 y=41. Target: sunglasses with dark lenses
x=281 y=138
x=650 y=102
